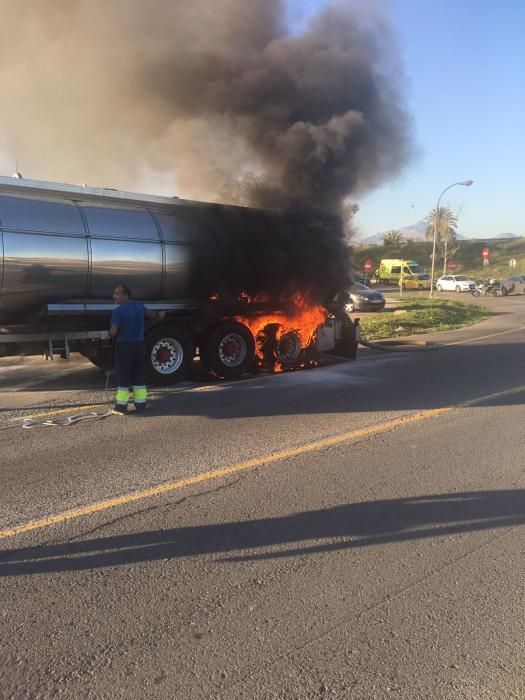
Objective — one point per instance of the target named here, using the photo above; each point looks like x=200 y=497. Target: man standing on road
x=127 y=328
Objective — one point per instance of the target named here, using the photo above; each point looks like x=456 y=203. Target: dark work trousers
x=131 y=370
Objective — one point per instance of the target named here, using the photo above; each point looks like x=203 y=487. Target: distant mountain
x=369 y=240
x=416 y=232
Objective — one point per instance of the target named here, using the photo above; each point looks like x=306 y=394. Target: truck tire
x=101 y=356
x=95 y=359
x=284 y=353
x=290 y=353
x=288 y=350
x=169 y=354
x=228 y=351
x=104 y=364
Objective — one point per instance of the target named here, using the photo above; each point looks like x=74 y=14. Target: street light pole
x=465 y=183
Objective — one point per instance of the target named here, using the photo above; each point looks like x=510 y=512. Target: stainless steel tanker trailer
x=63 y=248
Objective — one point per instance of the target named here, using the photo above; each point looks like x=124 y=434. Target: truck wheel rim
x=289 y=347
x=167 y=355
x=232 y=350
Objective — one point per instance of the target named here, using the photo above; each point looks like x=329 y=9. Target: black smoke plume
x=198 y=94
x=269 y=256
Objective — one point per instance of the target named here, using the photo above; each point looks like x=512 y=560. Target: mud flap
x=349 y=341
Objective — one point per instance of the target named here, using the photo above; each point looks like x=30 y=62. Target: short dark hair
x=125 y=290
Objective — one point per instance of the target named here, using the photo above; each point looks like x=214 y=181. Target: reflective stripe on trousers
x=140 y=394
x=122 y=396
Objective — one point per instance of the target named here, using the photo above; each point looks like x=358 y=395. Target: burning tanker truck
x=241 y=288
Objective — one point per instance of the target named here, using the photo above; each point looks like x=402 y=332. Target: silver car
x=362 y=298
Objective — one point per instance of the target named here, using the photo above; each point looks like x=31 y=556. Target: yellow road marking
x=225 y=471
x=249 y=464
x=71 y=409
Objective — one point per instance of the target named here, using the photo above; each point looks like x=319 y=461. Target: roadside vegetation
x=421 y=316
x=467 y=256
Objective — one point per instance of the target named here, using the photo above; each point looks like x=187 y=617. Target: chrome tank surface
x=45 y=253
x=58 y=247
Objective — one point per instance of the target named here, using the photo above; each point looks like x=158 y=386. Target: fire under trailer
x=63 y=248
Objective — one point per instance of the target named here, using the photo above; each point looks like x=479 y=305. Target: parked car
x=362 y=298
x=514 y=284
x=419 y=281
x=391 y=270
x=455 y=283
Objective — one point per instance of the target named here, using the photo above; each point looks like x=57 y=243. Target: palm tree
x=391 y=238
x=444 y=221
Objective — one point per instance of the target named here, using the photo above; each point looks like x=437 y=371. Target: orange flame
x=303 y=318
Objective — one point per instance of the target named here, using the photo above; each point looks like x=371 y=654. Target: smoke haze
x=204 y=92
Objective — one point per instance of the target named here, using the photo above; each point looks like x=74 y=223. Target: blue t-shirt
x=129 y=318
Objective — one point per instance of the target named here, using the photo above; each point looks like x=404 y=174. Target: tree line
x=444 y=222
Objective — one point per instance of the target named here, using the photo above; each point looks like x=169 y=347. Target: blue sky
x=465 y=66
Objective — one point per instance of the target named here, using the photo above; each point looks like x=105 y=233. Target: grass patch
x=422 y=316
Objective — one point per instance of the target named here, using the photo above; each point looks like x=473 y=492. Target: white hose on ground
x=61 y=423
x=407 y=347
x=75 y=418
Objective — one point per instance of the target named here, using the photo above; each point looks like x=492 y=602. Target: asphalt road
x=352 y=531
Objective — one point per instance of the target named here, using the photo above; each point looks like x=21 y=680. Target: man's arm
x=115 y=317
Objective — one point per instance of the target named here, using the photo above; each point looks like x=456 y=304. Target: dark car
x=514 y=284
x=362 y=298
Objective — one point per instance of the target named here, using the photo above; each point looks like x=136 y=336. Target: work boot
x=140 y=407
x=119 y=410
